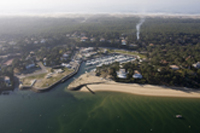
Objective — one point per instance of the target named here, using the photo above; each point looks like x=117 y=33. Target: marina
x=107 y=60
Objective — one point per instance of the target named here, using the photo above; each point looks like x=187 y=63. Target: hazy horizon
x=103 y=6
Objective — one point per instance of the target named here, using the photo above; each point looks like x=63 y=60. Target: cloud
x=99 y=5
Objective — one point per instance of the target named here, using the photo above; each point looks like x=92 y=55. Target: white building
x=102 y=40
x=92 y=39
x=86 y=50
x=7 y=79
x=123 y=42
x=122 y=74
x=174 y=67
x=66 y=65
x=196 y=65
x=137 y=75
x=65 y=55
x=60 y=71
x=43 y=41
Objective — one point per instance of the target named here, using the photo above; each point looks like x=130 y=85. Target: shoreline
x=144 y=90
x=87 y=80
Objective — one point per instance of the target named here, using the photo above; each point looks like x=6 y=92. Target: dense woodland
x=164 y=41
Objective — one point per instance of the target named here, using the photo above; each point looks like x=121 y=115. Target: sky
x=100 y=6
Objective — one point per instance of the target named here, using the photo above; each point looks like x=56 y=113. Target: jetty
x=85 y=80
x=67 y=77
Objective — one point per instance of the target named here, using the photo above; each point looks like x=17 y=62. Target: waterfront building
x=122 y=74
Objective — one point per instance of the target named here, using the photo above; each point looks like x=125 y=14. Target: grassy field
x=42 y=81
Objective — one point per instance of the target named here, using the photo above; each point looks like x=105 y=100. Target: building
x=9 y=62
x=151 y=44
x=102 y=40
x=196 y=65
x=7 y=81
x=137 y=75
x=83 y=39
x=132 y=45
x=66 y=65
x=43 y=41
x=117 y=40
x=68 y=35
x=45 y=61
x=87 y=50
x=123 y=42
x=64 y=56
x=35 y=42
x=30 y=66
x=92 y=39
x=174 y=67
x=122 y=74
x=60 y=71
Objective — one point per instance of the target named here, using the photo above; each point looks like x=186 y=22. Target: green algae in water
x=112 y=112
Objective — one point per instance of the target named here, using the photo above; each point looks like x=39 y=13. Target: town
x=39 y=61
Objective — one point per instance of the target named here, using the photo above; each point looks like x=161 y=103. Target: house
x=75 y=34
x=43 y=41
x=86 y=50
x=83 y=39
x=7 y=79
x=32 y=53
x=35 y=42
x=12 y=43
x=196 y=65
x=137 y=75
x=66 y=65
x=151 y=44
x=122 y=74
x=174 y=67
x=92 y=39
x=45 y=60
x=60 y=71
x=30 y=66
x=116 y=40
x=102 y=40
x=65 y=55
x=68 y=35
x=9 y=62
x=132 y=45
x=163 y=62
x=110 y=41
x=105 y=51
x=83 y=34
x=123 y=42
x=122 y=38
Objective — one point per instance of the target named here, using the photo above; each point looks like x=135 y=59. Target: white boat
x=179 y=116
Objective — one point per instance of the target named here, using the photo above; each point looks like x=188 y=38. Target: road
x=42 y=71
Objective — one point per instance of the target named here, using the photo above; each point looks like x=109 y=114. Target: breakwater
x=54 y=84
x=59 y=81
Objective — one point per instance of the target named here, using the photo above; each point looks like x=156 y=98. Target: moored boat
x=179 y=116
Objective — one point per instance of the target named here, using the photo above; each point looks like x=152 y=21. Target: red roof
x=9 y=62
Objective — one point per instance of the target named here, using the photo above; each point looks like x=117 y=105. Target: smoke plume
x=142 y=20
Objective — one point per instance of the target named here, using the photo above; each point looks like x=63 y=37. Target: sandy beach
x=146 y=90
x=132 y=88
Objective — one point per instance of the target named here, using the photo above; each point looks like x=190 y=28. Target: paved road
x=42 y=71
